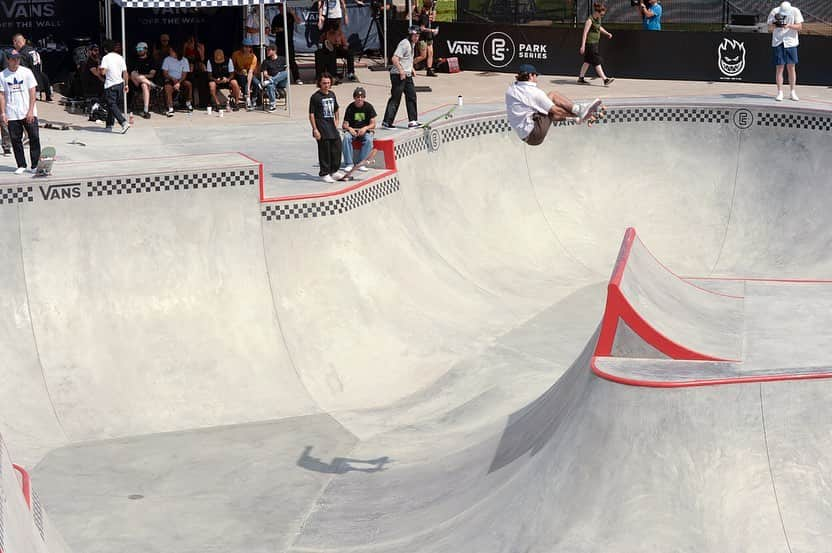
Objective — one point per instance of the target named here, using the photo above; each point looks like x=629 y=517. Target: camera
x=779 y=20
x=635 y=2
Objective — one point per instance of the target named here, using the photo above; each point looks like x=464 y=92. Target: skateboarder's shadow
x=340 y=465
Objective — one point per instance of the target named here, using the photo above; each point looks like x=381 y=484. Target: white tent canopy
x=124 y=4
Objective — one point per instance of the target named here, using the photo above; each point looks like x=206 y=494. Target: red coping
x=25 y=484
x=619 y=309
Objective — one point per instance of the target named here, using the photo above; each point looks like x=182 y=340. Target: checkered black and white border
x=674 y=115
x=476 y=128
x=180 y=3
x=16 y=195
x=794 y=121
x=324 y=207
x=166 y=183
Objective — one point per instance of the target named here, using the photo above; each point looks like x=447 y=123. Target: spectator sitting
x=92 y=82
x=162 y=50
x=175 y=72
x=194 y=52
x=220 y=71
x=142 y=74
x=335 y=41
x=359 y=124
x=30 y=59
x=245 y=68
x=275 y=76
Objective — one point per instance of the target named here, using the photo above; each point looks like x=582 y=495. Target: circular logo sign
x=743 y=118
x=498 y=49
x=434 y=140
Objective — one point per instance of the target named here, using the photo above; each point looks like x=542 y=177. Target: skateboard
x=594 y=112
x=47 y=158
x=446 y=115
x=369 y=160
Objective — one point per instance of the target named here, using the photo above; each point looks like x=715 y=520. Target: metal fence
x=676 y=13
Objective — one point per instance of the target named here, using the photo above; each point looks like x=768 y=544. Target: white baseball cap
x=141 y=46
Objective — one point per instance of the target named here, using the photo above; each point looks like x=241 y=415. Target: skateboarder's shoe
x=414 y=125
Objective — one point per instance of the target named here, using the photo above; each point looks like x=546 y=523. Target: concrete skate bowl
x=430 y=362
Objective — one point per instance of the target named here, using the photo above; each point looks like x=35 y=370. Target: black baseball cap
x=527 y=68
x=359 y=91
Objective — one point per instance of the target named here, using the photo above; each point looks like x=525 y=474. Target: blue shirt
x=653 y=23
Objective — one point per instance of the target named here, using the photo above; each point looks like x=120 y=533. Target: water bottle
x=459 y=100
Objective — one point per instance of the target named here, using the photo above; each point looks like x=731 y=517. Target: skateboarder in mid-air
x=532 y=111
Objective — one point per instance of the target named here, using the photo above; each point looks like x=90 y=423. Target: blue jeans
x=271 y=84
x=366 y=146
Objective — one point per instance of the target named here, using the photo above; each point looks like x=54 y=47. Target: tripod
x=374 y=24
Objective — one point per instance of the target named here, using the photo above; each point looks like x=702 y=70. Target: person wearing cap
x=18 y=110
x=142 y=74
x=531 y=111
x=785 y=21
x=274 y=75
x=359 y=124
x=114 y=71
x=245 y=66
x=401 y=81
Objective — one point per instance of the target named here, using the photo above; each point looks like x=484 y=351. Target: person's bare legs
x=600 y=72
x=584 y=69
x=792 y=77
x=564 y=105
x=169 y=95
x=430 y=55
x=212 y=90
x=235 y=90
x=778 y=78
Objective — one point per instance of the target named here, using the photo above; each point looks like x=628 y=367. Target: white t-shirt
x=176 y=68
x=332 y=9
x=114 y=64
x=786 y=37
x=16 y=87
x=253 y=22
x=523 y=100
x=404 y=51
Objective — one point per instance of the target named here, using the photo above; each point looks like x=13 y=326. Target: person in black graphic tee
x=323 y=116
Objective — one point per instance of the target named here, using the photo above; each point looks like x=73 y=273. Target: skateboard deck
x=47 y=158
x=594 y=112
x=369 y=160
x=445 y=115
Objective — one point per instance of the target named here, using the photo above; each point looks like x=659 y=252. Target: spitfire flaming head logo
x=731 y=55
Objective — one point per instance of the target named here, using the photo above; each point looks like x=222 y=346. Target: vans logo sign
x=464 y=47
x=61 y=191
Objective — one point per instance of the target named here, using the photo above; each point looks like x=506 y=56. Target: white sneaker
x=338 y=175
x=348 y=168
x=585 y=109
x=327 y=178
x=794 y=97
x=125 y=127
x=19 y=170
x=414 y=125
x=363 y=168
x=779 y=97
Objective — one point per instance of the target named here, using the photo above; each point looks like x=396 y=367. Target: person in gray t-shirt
x=401 y=81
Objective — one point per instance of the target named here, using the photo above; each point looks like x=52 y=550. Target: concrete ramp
x=671 y=315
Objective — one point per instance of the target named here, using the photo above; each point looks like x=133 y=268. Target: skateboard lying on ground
x=369 y=160
x=47 y=158
x=446 y=115
x=594 y=112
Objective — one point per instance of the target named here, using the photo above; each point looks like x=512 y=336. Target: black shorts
x=542 y=122
x=331 y=24
x=592 y=54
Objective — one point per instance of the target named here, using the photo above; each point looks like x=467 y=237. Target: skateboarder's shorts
x=542 y=122
x=592 y=54
x=783 y=55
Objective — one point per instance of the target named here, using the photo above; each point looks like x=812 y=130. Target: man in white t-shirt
x=330 y=14
x=784 y=22
x=176 y=71
x=401 y=82
x=114 y=71
x=19 y=112
x=531 y=111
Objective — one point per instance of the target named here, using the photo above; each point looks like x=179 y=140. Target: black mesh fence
x=673 y=11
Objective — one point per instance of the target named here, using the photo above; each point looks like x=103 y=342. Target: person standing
x=590 y=44
x=401 y=81
x=330 y=14
x=651 y=15
x=114 y=71
x=426 y=15
x=323 y=116
x=4 y=128
x=30 y=59
x=279 y=38
x=785 y=22
x=19 y=112
x=359 y=124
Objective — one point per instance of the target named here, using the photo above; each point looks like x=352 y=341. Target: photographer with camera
x=651 y=14
x=784 y=22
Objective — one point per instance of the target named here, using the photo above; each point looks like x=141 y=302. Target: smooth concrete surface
x=432 y=348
